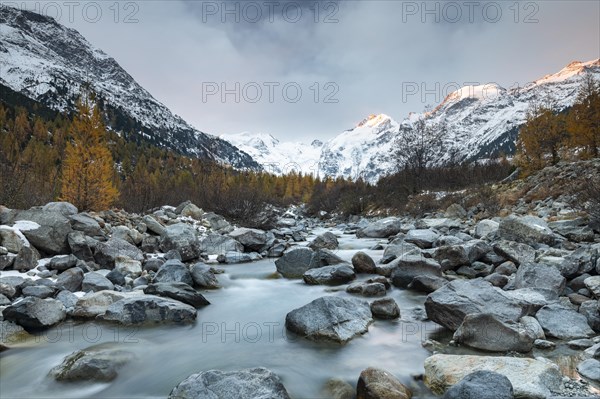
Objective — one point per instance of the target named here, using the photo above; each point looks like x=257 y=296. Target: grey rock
x=409 y=267
x=535 y=275
x=95 y=304
x=563 y=323
x=427 y=284
x=296 y=261
x=86 y=224
x=517 y=252
x=7 y=261
x=486 y=332
x=481 y=384
x=507 y=268
x=116 y=278
x=62 y=262
x=530 y=378
x=183 y=238
x=128 y=267
x=216 y=244
x=385 y=308
x=593 y=284
x=11 y=240
x=65 y=208
x=327 y=240
x=591 y=311
x=173 y=271
x=149 y=309
x=590 y=368
x=329 y=275
x=497 y=280
x=38 y=291
x=394 y=251
x=26 y=259
x=423 y=238
x=79 y=246
x=70 y=280
x=35 y=313
x=217 y=223
x=449 y=305
x=363 y=263
x=330 y=318
x=451 y=257
x=238 y=257
x=51 y=236
x=107 y=252
x=99 y=365
x=153 y=225
x=253 y=240
x=376 y=383
x=486 y=228
x=528 y=230
x=95 y=282
x=178 y=291
x=204 y=276
x=381 y=229
x=256 y=383
x=68 y=299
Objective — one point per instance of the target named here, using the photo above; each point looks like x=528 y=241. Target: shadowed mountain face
x=51 y=64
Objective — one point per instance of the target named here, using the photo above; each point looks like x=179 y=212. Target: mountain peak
x=572 y=69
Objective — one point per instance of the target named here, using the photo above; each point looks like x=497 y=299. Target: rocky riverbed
x=454 y=305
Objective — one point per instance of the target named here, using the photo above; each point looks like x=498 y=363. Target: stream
x=242 y=328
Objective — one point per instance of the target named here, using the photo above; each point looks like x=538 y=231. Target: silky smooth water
x=243 y=327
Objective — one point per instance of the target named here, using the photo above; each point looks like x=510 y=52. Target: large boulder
x=232 y=257
x=86 y=224
x=149 y=309
x=449 y=305
x=486 y=332
x=26 y=259
x=95 y=282
x=561 y=322
x=590 y=368
x=530 y=378
x=217 y=223
x=62 y=262
x=375 y=383
x=50 y=234
x=423 y=238
x=95 y=304
x=256 y=383
x=179 y=291
x=517 y=252
x=253 y=240
x=539 y=276
x=216 y=244
x=296 y=261
x=398 y=250
x=591 y=311
x=93 y=364
x=528 y=230
x=385 y=308
x=327 y=240
x=153 y=225
x=381 y=229
x=363 y=263
x=65 y=208
x=482 y=384
x=486 y=228
x=173 y=271
x=70 y=280
x=35 y=313
x=12 y=239
x=575 y=230
x=79 y=246
x=593 y=284
x=204 y=276
x=451 y=257
x=107 y=252
x=411 y=266
x=330 y=318
x=330 y=275
x=182 y=238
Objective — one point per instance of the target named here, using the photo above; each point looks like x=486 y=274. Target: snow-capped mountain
x=482 y=122
x=50 y=63
x=278 y=157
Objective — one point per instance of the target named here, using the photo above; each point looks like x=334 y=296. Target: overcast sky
x=349 y=59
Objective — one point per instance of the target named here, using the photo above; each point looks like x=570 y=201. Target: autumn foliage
x=88 y=167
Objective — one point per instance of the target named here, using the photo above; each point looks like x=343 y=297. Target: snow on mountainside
x=50 y=63
x=277 y=157
x=482 y=122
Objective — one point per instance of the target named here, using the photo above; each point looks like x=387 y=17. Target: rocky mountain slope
x=50 y=63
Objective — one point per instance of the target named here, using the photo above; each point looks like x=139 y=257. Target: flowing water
x=243 y=327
